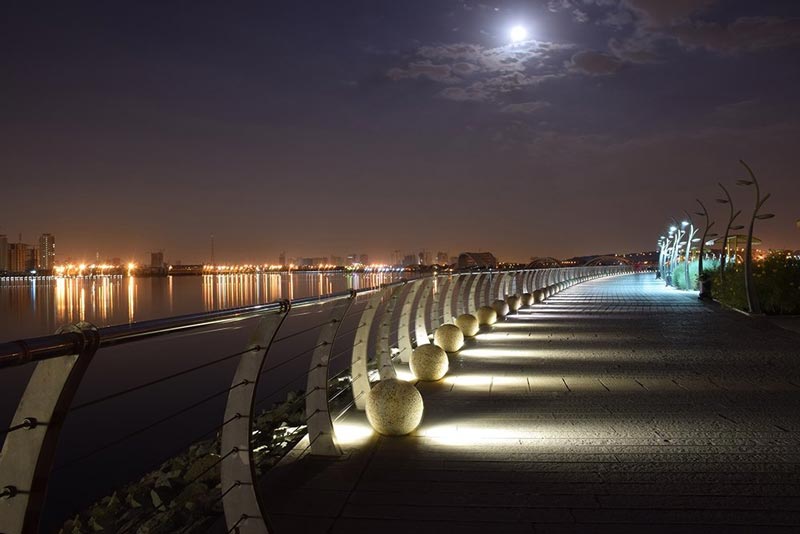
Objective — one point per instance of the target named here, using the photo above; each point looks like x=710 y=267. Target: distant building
x=363 y=259
x=337 y=260
x=4 y=254
x=442 y=258
x=352 y=259
x=157 y=260
x=410 y=259
x=46 y=257
x=17 y=257
x=483 y=260
x=282 y=258
x=31 y=259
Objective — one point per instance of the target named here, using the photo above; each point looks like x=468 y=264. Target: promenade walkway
x=616 y=406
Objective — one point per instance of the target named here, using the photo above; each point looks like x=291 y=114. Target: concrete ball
x=449 y=337
x=527 y=299
x=486 y=315
x=501 y=307
x=394 y=407
x=538 y=296
x=429 y=362
x=514 y=302
x=468 y=324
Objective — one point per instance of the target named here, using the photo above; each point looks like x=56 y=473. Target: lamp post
x=689 y=240
x=706 y=235
x=670 y=252
x=679 y=233
x=752 y=297
x=731 y=218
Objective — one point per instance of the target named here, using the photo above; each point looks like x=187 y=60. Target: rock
x=429 y=362
x=449 y=337
x=468 y=324
x=486 y=315
x=538 y=296
x=501 y=307
x=203 y=469
x=527 y=299
x=514 y=303
x=156 y=500
x=394 y=407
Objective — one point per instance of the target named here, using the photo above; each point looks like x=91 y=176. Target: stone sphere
x=501 y=307
x=527 y=299
x=394 y=407
x=429 y=362
x=468 y=324
x=449 y=337
x=514 y=302
x=486 y=315
x=538 y=296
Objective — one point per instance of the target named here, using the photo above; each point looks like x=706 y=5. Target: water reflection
x=32 y=307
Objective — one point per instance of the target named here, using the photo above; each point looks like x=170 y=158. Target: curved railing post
x=29 y=450
x=497 y=288
x=385 y=365
x=318 y=417
x=435 y=319
x=472 y=297
x=358 y=360
x=484 y=290
x=241 y=502
x=420 y=331
x=463 y=294
x=400 y=317
x=447 y=310
x=404 y=324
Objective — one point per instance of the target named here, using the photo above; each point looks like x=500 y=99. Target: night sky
x=324 y=128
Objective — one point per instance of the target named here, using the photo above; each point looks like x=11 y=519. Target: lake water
x=30 y=308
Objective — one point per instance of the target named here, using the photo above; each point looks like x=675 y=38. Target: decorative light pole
x=706 y=235
x=731 y=218
x=752 y=297
x=689 y=240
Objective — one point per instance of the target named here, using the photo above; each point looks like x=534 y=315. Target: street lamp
x=706 y=235
x=689 y=240
x=731 y=218
x=752 y=297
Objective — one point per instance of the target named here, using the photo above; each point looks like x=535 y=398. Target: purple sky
x=323 y=128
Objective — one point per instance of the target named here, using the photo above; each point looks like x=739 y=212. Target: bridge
x=611 y=403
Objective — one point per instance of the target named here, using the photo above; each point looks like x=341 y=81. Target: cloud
x=746 y=34
x=660 y=13
x=486 y=74
x=526 y=107
x=594 y=63
x=633 y=50
x=426 y=69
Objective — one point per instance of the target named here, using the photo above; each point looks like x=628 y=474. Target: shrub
x=777 y=281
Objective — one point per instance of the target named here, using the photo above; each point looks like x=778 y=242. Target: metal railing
x=363 y=331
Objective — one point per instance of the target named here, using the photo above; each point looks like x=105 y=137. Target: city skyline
x=388 y=125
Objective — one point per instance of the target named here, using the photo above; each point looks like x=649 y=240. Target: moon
x=518 y=33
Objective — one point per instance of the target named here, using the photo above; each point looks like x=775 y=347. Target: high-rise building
x=442 y=258
x=352 y=259
x=157 y=260
x=363 y=259
x=46 y=257
x=4 y=252
x=17 y=257
x=282 y=258
x=32 y=259
x=337 y=260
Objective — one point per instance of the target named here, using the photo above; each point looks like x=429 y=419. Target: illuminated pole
x=706 y=235
x=689 y=240
x=752 y=297
x=731 y=218
x=679 y=233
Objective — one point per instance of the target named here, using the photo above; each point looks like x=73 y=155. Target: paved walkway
x=616 y=406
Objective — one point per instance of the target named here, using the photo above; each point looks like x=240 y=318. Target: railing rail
x=395 y=318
